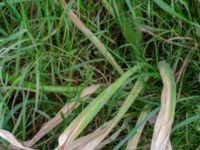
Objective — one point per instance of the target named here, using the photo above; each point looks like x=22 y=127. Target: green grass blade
x=169 y=10
x=97 y=137
x=186 y=122
x=132 y=36
x=82 y=120
x=13 y=10
x=172 y=12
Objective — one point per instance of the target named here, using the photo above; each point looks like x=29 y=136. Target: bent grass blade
x=163 y=125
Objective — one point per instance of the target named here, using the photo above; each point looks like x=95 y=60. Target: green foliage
x=45 y=62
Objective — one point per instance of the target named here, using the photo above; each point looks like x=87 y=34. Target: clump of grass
x=51 y=50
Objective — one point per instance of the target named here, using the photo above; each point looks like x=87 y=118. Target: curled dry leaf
x=48 y=126
x=9 y=137
x=160 y=140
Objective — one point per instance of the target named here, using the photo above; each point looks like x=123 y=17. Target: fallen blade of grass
x=133 y=142
x=99 y=45
x=86 y=142
x=29 y=86
x=9 y=137
x=163 y=125
x=82 y=120
x=92 y=140
x=66 y=110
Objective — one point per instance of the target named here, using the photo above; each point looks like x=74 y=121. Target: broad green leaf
x=83 y=119
x=97 y=137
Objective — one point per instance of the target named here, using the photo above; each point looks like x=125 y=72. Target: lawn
x=100 y=74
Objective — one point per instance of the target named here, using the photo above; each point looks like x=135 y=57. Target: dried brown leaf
x=9 y=137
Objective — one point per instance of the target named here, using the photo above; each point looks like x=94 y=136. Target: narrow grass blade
x=163 y=5
x=132 y=36
x=66 y=110
x=13 y=10
x=99 y=45
x=186 y=122
x=132 y=143
x=6 y=135
x=162 y=129
x=45 y=88
x=82 y=120
x=169 y=10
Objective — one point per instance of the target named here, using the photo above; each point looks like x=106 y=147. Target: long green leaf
x=94 y=139
x=82 y=120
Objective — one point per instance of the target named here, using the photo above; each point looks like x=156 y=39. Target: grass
x=51 y=51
